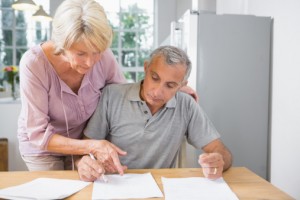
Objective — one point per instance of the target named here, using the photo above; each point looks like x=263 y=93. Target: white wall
x=171 y=10
x=285 y=120
x=165 y=13
x=9 y=113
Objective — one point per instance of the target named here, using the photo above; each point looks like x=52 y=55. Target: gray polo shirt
x=151 y=141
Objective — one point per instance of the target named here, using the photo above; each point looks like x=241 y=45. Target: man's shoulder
x=120 y=88
x=182 y=96
x=186 y=101
x=118 y=92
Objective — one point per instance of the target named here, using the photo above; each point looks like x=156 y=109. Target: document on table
x=44 y=188
x=196 y=188
x=126 y=186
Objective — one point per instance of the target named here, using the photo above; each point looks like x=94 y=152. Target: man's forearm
x=217 y=146
x=227 y=157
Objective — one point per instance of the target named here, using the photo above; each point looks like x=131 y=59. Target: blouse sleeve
x=111 y=68
x=34 y=119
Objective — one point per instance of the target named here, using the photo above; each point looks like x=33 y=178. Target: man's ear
x=182 y=86
x=145 y=65
x=184 y=83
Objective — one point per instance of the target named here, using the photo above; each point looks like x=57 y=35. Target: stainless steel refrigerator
x=231 y=57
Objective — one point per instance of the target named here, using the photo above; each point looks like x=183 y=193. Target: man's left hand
x=212 y=164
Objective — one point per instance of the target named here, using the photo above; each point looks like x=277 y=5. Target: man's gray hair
x=173 y=55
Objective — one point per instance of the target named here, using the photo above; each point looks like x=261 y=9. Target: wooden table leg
x=3 y=154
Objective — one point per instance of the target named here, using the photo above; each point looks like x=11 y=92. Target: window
x=18 y=32
x=132 y=22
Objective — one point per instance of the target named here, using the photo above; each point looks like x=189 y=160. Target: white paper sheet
x=126 y=186
x=44 y=188
x=196 y=188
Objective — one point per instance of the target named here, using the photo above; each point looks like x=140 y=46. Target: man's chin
x=156 y=103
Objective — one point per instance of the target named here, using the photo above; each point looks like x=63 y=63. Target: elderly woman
x=61 y=82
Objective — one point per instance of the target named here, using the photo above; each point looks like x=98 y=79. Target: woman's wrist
x=90 y=145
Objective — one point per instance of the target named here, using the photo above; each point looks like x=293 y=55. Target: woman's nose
x=93 y=58
x=90 y=61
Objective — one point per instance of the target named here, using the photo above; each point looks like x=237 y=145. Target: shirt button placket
x=145 y=112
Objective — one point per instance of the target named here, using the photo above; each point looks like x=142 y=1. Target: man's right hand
x=89 y=169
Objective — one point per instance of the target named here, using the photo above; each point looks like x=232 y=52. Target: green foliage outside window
x=18 y=32
x=131 y=40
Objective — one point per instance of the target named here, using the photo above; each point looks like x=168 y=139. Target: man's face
x=161 y=82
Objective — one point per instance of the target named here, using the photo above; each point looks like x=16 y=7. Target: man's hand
x=216 y=159
x=89 y=169
x=107 y=154
x=212 y=164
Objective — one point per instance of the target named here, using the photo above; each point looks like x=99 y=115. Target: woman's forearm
x=64 y=145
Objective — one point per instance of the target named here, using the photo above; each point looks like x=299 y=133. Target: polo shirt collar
x=134 y=95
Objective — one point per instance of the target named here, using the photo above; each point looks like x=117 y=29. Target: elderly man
x=149 y=120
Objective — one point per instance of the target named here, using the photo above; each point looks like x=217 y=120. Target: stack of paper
x=44 y=188
x=126 y=186
x=196 y=188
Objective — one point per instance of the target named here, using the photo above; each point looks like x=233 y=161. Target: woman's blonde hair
x=81 y=21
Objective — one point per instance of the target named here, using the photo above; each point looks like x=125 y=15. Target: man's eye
x=171 y=86
x=155 y=78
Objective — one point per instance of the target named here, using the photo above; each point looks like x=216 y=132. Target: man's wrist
x=77 y=159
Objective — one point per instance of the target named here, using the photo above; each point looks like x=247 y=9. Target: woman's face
x=81 y=57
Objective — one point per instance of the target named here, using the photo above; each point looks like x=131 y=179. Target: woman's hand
x=190 y=91
x=107 y=154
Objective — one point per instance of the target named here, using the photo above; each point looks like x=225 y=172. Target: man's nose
x=158 y=89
